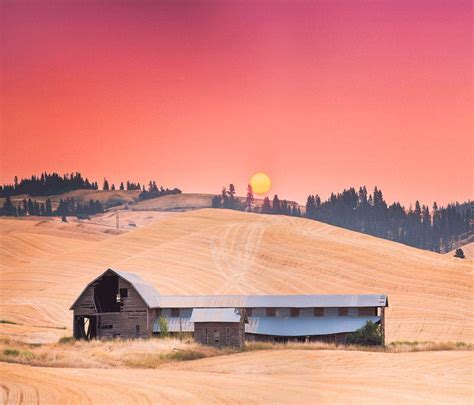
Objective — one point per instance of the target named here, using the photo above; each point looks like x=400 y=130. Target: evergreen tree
x=105 y=187
x=276 y=208
x=266 y=206
x=122 y=187
x=48 y=210
x=249 y=200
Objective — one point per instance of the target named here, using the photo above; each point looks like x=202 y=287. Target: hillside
x=225 y=252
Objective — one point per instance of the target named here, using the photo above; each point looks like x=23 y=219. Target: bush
x=163 y=324
x=11 y=352
x=368 y=335
x=460 y=254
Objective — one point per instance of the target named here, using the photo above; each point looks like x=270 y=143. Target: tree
x=459 y=253
x=249 y=200
x=8 y=208
x=48 y=211
x=122 y=187
x=163 y=326
x=105 y=187
x=266 y=206
x=231 y=201
x=216 y=202
x=113 y=187
x=368 y=335
x=276 y=209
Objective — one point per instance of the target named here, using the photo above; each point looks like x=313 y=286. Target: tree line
x=53 y=184
x=227 y=200
x=47 y=184
x=66 y=207
x=437 y=229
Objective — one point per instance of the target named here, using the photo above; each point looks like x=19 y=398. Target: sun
x=260 y=183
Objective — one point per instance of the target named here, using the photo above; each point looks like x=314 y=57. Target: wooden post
x=382 y=322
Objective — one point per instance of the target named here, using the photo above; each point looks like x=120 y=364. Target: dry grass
x=150 y=353
x=153 y=353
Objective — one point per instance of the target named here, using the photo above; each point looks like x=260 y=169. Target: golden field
x=46 y=263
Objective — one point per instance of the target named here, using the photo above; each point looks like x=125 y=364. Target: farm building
x=122 y=304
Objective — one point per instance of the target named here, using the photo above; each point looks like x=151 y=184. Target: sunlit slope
x=224 y=252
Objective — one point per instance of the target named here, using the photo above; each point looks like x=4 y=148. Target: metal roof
x=146 y=291
x=153 y=299
x=306 y=326
x=215 y=315
x=272 y=301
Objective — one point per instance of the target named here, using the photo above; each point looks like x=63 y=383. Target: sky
x=320 y=95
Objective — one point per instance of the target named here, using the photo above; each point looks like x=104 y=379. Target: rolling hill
x=223 y=252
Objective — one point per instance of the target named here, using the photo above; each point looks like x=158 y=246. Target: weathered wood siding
x=230 y=334
x=133 y=320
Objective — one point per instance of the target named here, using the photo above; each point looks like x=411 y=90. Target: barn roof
x=153 y=299
x=272 y=301
x=146 y=291
x=215 y=315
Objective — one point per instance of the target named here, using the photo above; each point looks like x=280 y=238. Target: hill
x=223 y=252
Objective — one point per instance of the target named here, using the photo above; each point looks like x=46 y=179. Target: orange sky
x=320 y=95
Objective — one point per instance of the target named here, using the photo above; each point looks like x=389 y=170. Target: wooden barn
x=120 y=304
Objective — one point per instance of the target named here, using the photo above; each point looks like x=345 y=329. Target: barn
x=121 y=304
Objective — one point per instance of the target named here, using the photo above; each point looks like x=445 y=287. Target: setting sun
x=260 y=183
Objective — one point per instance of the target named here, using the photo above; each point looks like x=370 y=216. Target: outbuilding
x=219 y=326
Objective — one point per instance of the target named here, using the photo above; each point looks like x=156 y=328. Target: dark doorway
x=105 y=294
x=85 y=327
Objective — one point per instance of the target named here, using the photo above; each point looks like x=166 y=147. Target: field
x=266 y=376
x=46 y=263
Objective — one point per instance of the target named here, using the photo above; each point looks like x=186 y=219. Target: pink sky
x=320 y=95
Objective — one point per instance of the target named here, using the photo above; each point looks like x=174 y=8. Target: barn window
x=123 y=292
x=318 y=311
x=175 y=312
x=217 y=336
x=137 y=329
x=343 y=311
x=294 y=312
x=271 y=312
x=367 y=311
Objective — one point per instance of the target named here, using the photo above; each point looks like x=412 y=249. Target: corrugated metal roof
x=306 y=326
x=148 y=293
x=215 y=315
x=272 y=301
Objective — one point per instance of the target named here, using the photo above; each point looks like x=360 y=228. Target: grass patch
x=11 y=352
x=66 y=340
x=185 y=355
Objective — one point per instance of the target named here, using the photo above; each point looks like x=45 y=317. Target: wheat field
x=46 y=263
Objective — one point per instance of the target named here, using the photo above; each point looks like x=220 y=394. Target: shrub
x=11 y=352
x=460 y=254
x=163 y=324
x=368 y=335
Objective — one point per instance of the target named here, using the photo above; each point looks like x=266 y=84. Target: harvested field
x=225 y=252
x=265 y=376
